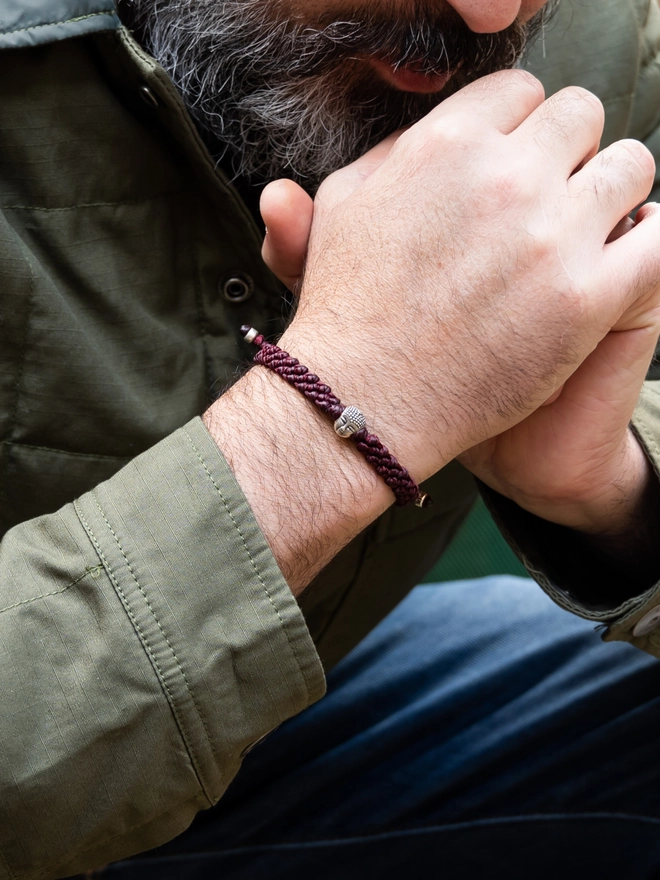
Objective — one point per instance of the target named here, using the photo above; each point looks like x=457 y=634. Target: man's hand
x=574 y=461
x=460 y=274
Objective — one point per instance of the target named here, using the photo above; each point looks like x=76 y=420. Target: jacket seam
x=90 y=571
x=143 y=637
x=139 y=56
x=117 y=458
x=17 y=388
x=253 y=563
x=649 y=440
x=137 y=201
x=202 y=323
x=45 y=24
x=161 y=630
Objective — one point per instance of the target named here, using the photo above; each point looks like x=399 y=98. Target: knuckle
x=516 y=79
x=450 y=130
x=334 y=189
x=526 y=81
x=640 y=158
x=448 y=140
x=408 y=140
x=622 y=174
x=579 y=101
x=324 y=196
x=542 y=246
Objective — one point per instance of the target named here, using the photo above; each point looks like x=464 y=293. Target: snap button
x=647 y=623
x=148 y=96
x=237 y=288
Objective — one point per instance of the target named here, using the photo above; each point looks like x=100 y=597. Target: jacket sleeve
x=148 y=639
x=582 y=581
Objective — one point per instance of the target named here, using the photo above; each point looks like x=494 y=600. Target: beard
x=274 y=97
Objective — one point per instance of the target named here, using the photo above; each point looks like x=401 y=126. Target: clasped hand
x=474 y=283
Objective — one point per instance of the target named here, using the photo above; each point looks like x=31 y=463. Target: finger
x=612 y=184
x=645 y=211
x=567 y=128
x=614 y=372
x=554 y=396
x=621 y=228
x=633 y=261
x=502 y=100
x=287 y=212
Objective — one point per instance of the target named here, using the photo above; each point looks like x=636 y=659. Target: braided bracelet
x=349 y=422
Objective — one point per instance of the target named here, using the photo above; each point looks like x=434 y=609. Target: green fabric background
x=477 y=550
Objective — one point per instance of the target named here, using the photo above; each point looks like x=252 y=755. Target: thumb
x=287 y=212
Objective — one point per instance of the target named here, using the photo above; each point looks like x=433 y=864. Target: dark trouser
x=478 y=732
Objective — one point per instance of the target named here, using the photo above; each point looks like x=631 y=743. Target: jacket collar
x=34 y=22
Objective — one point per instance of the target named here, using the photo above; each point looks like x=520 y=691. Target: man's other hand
x=573 y=461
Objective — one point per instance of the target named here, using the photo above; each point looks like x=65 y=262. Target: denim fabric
x=478 y=732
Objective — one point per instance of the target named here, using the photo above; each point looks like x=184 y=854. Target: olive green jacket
x=147 y=637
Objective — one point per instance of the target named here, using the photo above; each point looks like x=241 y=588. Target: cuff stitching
x=161 y=630
x=253 y=562
x=90 y=571
x=143 y=637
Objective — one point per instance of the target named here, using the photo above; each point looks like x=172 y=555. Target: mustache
x=429 y=40
x=273 y=95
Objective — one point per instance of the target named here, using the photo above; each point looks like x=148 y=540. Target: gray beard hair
x=275 y=98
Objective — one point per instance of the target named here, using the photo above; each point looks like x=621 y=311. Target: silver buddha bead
x=350 y=422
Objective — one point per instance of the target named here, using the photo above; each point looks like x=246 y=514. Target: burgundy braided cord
x=403 y=486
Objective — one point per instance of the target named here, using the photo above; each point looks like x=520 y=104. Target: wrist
x=380 y=381
x=310 y=491
x=607 y=501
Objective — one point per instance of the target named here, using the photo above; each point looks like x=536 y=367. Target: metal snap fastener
x=148 y=96
x=647 y=623
x=237 y=288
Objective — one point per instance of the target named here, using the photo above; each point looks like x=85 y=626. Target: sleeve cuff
x=556 y=559
x=206 y=599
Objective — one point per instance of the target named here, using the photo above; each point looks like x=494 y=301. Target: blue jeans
x=478 y=732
